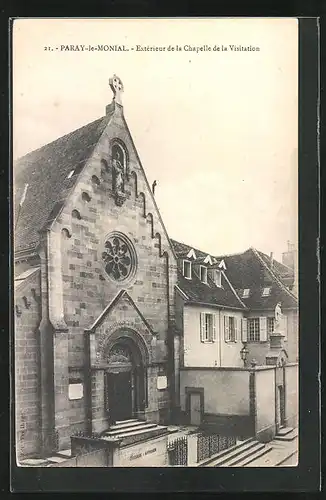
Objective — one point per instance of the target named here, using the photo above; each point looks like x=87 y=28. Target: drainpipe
x=46 y=365
x=170 y=342
x=88 y=384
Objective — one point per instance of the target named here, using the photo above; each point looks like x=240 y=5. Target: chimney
x=288 y=258
x=271 y=257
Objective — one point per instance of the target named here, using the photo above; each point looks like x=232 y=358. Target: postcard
x=155 y=224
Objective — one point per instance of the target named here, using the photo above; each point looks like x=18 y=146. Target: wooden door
x=119 y=395
x=195 y=408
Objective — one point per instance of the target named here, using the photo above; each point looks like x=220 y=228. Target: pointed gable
x=191 y=254
x=123 y=301
x=222 y=265
x=208 y=260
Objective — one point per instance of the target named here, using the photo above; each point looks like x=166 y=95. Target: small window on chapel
x=266 y=292
x=187 y=269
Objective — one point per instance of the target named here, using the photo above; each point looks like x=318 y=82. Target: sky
x=217 y=129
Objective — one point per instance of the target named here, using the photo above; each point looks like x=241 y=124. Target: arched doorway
x=125 y=381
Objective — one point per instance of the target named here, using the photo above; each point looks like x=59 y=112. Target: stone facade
x=27 y=351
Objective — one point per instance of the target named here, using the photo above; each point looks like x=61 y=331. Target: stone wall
x=291 y=376
x=27 y=319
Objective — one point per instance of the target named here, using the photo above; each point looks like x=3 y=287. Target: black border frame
x=305 y=477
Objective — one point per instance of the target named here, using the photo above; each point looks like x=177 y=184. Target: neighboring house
x=261 y=282
x=237 y=338
x=208 y=311
x=223 y=301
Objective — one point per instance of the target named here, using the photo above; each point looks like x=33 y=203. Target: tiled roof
x=284 y=273
x=21 y=279
x=46 y=172
x=200 y=292
x=209 y=293
x=250 y=269
x=181 y=249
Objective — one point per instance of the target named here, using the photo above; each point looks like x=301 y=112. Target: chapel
x=95 y=273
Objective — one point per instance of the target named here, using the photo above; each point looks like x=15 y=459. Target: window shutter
x=226 y=328
x=244 y=329
x=214 y=327
x=237 y=326
x=263 y=329
x=202 y=327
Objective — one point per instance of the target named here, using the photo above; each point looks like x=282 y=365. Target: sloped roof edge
x=108 y=308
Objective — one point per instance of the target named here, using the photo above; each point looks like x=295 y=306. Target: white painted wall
x=226 y=392
x=201 y=354
x=265 y=399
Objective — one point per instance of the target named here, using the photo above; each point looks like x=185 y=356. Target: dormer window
x=218 y=278
x=203 y=274
x=187 y=269
x=266 y=292
x=245 y=293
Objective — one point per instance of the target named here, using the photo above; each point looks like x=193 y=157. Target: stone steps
x=219 y=457
x=126 y=422
x=64 y=453
x=126 y=429
x=131 y=431
x=284 y=430
x=240 y=455
x=246 y=459
x=280 y=453
x=236 y=455
x=290 y=435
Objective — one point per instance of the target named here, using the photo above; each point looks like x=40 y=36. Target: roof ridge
x=231 y=254
x=273 y=274
x=275 y=260
x=192 y=247
x=58 y=139
x=149 y=188
x=50 y=166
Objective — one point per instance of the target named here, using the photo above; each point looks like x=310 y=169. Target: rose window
x=118 y=257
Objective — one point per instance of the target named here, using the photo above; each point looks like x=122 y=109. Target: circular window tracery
x=119 y=257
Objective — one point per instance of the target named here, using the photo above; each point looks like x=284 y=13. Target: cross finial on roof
x=117 y=88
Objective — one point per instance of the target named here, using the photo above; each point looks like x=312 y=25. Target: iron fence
x=178 y=451
x=210 y=444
